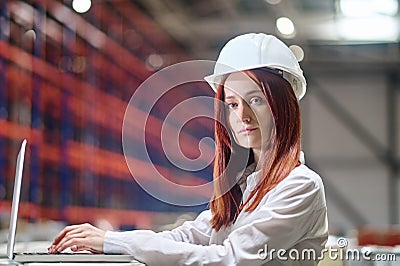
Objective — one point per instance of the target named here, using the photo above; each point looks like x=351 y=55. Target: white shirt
x=291 y=217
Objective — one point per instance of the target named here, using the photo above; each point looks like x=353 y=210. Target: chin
x=248 y=145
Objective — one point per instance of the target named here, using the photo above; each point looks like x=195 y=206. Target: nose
x=244 y=112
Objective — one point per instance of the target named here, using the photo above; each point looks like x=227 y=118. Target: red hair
x=282 y=153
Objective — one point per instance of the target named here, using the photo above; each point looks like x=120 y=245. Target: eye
x=231 y=105
x=256 y=100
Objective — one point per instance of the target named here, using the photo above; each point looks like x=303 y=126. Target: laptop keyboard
x=46 y=253
x=67 y=253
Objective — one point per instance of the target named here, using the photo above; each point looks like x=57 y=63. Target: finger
x=86 y=236
x=63 y=244
x=59 y=236
x=66 y=234
x=87 y=244
x=78 y=244
x=75 y=231
x=62 y=234
x=68 y=244
x=68 y=230
x=83 y=247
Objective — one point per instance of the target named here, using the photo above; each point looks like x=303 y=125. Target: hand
x=79 y=237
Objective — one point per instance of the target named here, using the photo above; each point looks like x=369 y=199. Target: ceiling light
x=376 y=28
x=285 y=26
x=273 y=2
x=298 y=52
x=31 y=34
x=358 y=8
x=154 y=62
x=81 y=6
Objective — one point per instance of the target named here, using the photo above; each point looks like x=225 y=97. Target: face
x=248 y=113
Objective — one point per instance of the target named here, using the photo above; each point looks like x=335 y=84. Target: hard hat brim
x=298 y=83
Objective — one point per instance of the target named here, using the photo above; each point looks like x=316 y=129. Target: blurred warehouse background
x=67 y=73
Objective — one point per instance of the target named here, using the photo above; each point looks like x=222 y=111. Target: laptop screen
x=15 y=202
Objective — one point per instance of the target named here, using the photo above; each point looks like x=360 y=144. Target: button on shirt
x=288 y=227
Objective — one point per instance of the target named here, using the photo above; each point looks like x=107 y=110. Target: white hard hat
x=256 y=50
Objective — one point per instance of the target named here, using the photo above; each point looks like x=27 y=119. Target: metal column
x=392 y=142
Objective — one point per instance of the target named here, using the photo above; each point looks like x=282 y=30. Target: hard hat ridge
x=256 y=50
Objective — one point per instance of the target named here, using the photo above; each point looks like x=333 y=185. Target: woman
x=273 y=212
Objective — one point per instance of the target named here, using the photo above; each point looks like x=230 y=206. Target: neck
x=257 y=155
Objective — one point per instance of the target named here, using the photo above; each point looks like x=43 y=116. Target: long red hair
x=281 y=157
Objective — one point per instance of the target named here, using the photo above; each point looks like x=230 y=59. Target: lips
x=247 y=130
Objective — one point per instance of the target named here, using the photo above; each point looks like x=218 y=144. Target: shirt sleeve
x=195 y=232
x=291 y=213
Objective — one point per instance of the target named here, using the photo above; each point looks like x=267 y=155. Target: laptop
x=47 y=257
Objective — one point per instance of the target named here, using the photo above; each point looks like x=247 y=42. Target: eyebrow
x=248 y=93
